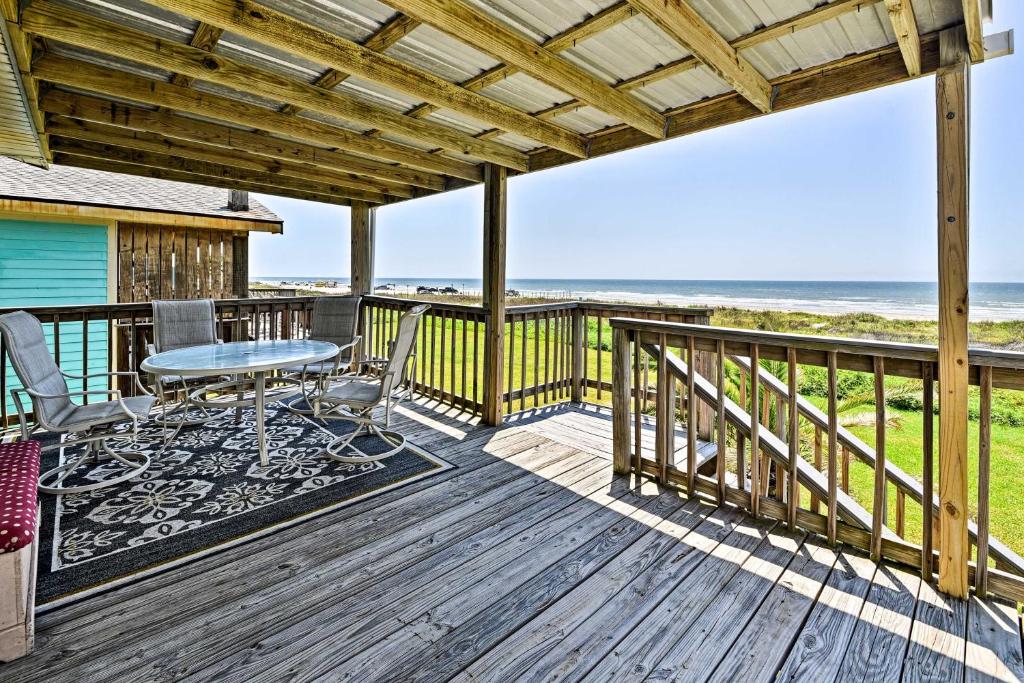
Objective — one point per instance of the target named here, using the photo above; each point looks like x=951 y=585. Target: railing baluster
x=846 y=470
x=815 y=501
x=600 y=343
x=880 y=501
x=433 y=355
x=464 y=388
x=663 y=427
x=691 y=416
x=741 y=446
x=522 y=364
x=755 y=431
x=56 y=339
x=984 y=479
x=901 y=512
x=85 y=357
x=928 y=467
x=444 y=335
x=833 y=444
x=476 y=357
x=511 y=359
x=453 y=319
x=780 y=431
x=536 y=359
x=792 y=480
x=720 y=414
x=637 y=421
x=547 y=354
x=3 y=384
x=586 y=355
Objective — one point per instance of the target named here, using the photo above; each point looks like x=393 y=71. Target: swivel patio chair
x=179 y=325
x=335 y=320
x=354 y=398
x=91 y=425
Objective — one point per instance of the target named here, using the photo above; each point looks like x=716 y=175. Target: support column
x=952 y=104
x=495 y=211
x=363 y=236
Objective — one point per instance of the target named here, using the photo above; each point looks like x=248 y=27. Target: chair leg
x=52 y=481
x=342 y=448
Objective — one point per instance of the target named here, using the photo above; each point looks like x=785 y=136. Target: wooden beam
x=63 y=159
x=589 y=27
x=165 y=123
x=904 y=25
x=972 y=23
x=952 y=110
x=495 y=214
x=82 y=30
x=799 y=22
x=279 y=30
x=477 y=29
x=689 y=29
x=21 y=52
x=151 y=142
x=845 y=76
x=98 y=79
x=387 y=35
x=205 y=38
x=363 y=248
x=204 y=168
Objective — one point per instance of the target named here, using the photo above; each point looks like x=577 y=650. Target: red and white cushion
x=19 y=477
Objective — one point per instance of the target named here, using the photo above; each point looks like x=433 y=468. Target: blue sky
x=843 y=190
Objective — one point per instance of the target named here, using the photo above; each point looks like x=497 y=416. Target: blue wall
x=46 y=264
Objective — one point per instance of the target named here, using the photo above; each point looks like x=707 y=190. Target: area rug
x=206 y=492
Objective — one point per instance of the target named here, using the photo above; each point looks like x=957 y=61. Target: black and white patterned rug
x=205 y=492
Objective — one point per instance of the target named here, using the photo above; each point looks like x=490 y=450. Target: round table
x=240 y=359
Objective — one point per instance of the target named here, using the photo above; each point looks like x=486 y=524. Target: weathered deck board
x=938 y=644
x=880 y=639
x=531 y=562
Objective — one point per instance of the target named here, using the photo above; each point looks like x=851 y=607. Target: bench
x=19 y=526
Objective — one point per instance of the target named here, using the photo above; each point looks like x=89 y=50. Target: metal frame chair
x=354 y=398
x=91 y=425
x=179 y=324
x=335 y=320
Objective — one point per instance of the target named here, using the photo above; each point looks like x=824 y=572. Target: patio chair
x=179 y=325
x=354 y=398
x=335 y=320
x=91 y=425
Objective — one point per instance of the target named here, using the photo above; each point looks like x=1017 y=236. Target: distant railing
x=787 y=459
x=554 y=352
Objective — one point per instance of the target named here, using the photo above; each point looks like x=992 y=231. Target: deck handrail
x=770 y=422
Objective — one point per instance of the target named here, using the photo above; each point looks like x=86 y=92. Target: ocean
x=995 y=301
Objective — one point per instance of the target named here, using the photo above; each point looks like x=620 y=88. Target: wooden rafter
x=89 y=131
x=589 y=27
x=807 y=19
x=170 y=125
x=688 y=28
x=174 y=162
x=59 y=23
x=904 y=25
x=477 y=29
x=845 y=76
x=95 y=164
x=279 y=30
x=975 y=37
x=205 y=38
x=387 y=35
x=77 y=74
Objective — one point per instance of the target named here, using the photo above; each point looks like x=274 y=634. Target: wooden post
x=620 y=400
x=952 y=103
x=578 y=349
x=239 y=268
x=495 y=211
x=363 y=237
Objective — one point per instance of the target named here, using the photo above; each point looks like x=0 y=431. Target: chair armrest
x=124 y=373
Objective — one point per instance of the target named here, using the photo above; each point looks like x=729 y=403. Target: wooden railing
x=95 y=339
x=554 y=352
x=780 y=455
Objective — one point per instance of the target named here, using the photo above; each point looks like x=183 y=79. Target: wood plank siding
x=529 y=561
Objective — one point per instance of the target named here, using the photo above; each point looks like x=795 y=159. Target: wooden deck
x=528 y=562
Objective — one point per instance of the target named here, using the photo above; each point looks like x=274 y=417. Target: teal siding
x=47 y=264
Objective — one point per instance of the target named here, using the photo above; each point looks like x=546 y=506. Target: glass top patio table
x=238 y=358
